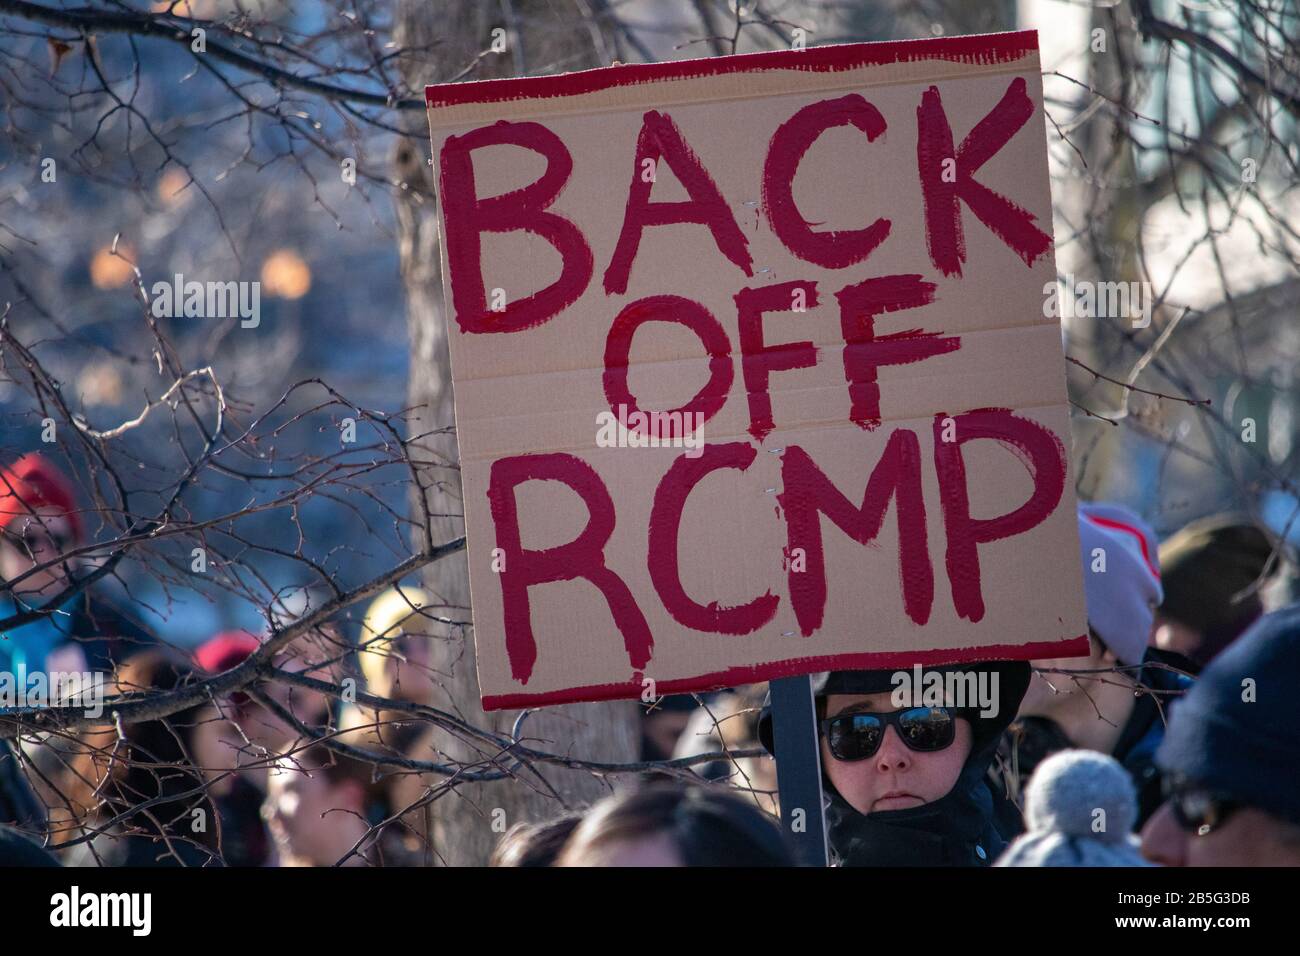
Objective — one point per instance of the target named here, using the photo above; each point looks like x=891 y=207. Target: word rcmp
x=39 y=689
x=208 y=300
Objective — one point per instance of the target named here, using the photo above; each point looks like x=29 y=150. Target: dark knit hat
x=17 y=850
x=1204 y=567
x=1237 y=732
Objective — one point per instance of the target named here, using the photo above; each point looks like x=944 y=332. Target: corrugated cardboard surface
x=540 y=390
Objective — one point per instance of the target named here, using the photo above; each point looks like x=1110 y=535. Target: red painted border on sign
x=989 y=48
x=735 y=676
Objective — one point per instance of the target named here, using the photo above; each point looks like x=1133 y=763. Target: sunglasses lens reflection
x=856 y=736
x=926 y=729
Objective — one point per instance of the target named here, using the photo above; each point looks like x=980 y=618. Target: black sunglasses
x=858 y=736
x=1197 y=810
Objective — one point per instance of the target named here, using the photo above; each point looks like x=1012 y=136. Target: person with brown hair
x=321 y=808
x=137 y=800
x=534 y=844
x=665 y=825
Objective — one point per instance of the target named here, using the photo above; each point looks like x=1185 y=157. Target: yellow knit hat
x=393 y=612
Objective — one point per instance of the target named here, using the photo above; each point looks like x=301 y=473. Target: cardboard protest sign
x=828 y=265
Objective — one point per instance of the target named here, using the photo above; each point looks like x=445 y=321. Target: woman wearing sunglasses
x=907 y=786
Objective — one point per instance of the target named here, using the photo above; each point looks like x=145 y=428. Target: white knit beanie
x=1121 y=578
x=1080 y=808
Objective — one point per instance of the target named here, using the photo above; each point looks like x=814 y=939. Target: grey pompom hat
x=1080 y=808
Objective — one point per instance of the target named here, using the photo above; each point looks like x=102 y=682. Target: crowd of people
x=1173 y=742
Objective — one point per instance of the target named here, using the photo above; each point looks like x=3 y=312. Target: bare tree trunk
x=1111 y=214
x=541 y=38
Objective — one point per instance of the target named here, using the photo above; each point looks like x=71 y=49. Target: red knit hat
x=224 y=651
x=34 y=482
